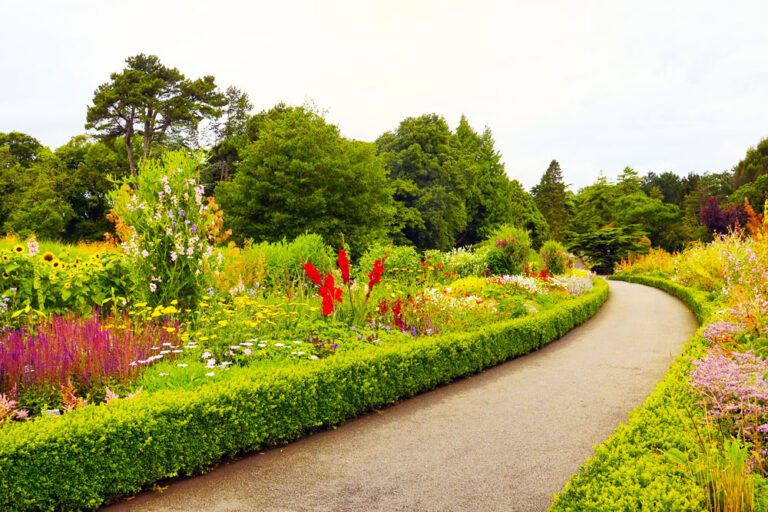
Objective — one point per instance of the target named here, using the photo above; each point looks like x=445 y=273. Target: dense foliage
x=699 y=440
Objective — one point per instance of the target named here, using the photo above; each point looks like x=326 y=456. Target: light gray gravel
x=505 y=439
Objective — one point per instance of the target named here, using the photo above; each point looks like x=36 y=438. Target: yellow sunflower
x=56 y=264
x=18 y=249
x=48 y=256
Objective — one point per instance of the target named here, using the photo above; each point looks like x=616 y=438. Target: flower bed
x=85 y=458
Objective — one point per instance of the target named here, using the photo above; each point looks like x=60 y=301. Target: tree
x=150 y=100
x=300 y=175
x=524 y=213
x=35 y=199
x=551 y=199
x=668 y=184
x=756 y=192
x=486 y=185
x=420 y=159
x=753 y=165
x=22 y=147
x=91 y=168
x=608 y=245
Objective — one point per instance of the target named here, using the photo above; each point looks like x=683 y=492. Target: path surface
x=505 y=439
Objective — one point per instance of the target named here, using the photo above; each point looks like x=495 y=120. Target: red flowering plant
x=332 y=295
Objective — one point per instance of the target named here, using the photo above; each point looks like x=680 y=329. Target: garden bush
x=508 y=249
x=88 y=457
x=554 y=257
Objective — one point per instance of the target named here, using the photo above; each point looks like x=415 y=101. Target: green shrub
x=401 y=258
x=508 y=249
x=554 y=257
x=90 y=456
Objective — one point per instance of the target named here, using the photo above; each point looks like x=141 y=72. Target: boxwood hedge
x=95 y=455
x=630 y=470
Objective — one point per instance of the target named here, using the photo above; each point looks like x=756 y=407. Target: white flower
x=210 y=374
x=313 y=357
x=206 y=355
x=145 y=253
x=182 y=365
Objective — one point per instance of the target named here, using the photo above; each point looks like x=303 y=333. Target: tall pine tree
x=550 y=197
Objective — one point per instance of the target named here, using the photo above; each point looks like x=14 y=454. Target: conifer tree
x=551 y=199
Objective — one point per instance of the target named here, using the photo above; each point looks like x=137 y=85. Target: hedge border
x=90 y=457
x=629 y=470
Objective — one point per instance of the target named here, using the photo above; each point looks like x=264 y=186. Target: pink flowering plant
x=734 y=394
x=168 y=230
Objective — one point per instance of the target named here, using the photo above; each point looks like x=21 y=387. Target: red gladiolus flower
x=374 y=277
x=313 y=273
x=344 y=266
x=327 y=305
x=330 y=294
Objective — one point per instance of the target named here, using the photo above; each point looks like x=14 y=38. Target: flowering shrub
x=168 y=229
x=554 y=257
x=734 y=390
x=508 y=249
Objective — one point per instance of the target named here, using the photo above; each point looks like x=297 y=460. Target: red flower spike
x=374 y=277
x=344 y=266
x=327 y=305
x=313 y=274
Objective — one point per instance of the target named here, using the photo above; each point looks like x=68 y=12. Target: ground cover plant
x=699 y=441
x=169 y=306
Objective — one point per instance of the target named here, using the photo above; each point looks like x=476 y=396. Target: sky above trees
x=596 y=85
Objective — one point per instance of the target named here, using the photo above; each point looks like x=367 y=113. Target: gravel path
x=505 y=439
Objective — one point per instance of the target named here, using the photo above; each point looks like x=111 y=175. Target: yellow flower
x=174 y=302
x=141 y=304
x=48 y=256
x=223 y=323
x=170 y=329
x=170 y=310
x=18 y=249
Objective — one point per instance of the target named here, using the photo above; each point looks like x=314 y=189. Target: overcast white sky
x=597 y=85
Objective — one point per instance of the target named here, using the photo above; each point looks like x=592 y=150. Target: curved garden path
x=505 y=439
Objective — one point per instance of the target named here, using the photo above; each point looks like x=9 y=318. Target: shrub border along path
x=92 y=456
x=630 y=470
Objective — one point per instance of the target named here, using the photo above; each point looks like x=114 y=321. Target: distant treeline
x=286 y=171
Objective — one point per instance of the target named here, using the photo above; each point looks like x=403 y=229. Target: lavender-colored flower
x=734 y=391
x=717 y=331
x=193 y=229
x=182 y=213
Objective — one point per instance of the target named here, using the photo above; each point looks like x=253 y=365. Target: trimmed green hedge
x=86 y=458
x=630 y=471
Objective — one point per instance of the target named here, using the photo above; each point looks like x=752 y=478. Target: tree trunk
x=147 y=138
x=129 y=151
